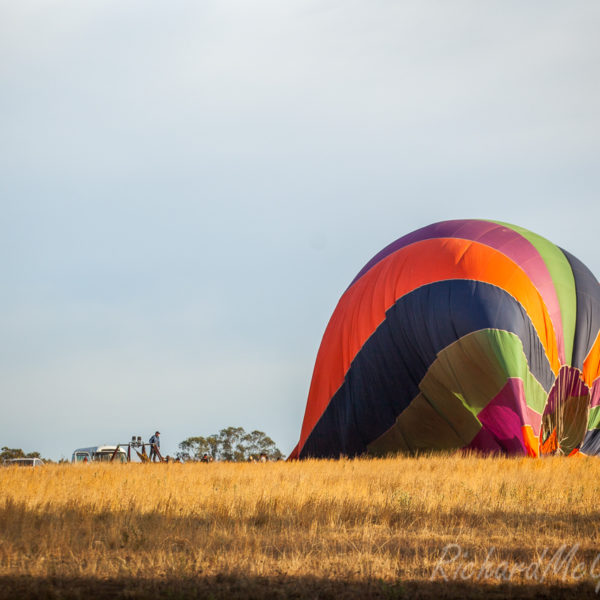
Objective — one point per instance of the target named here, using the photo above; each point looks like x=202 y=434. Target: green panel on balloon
x=574 y=412
x=422 y=427
x=475 y=368
x=462 y=380
x=594 y=418
x=562 y=277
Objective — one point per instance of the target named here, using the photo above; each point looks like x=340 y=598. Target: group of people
x=262 y=458
x=154 y=442
x=206 y=458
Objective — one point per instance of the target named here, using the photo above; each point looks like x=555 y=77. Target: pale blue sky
x=188 y=187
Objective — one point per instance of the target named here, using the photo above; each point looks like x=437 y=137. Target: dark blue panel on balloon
x=384 y=376
x=591 y=442
x=587 y=324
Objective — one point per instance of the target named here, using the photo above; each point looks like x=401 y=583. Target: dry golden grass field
x=429 y=527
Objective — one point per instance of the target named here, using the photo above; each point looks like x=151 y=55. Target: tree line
x=232 y=444
x=7 y=453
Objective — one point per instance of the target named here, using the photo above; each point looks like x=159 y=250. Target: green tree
x=230 y=444
x=258 y=442
x=7 y=453
x=193 y=448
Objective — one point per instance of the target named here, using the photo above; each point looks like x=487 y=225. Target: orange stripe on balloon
x=362 y=307
x=591 y=364
x=550 y=446
x=532 y=443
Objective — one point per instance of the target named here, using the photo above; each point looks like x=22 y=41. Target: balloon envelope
x=463 y=334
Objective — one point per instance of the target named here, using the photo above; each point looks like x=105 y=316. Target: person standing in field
x=154 y=446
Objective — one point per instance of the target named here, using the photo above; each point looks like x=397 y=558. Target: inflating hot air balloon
x=464 y=334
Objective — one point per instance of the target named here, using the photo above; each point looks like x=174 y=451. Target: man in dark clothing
x=155 y=446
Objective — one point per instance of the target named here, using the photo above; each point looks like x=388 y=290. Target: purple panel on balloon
x=502 y=420
x=595 y=395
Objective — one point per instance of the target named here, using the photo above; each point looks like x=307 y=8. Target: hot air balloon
x=465 y=334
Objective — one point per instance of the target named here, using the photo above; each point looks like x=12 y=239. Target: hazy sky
x=188 y=187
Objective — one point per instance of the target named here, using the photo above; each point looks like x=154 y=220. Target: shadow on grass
x=405 y=518
x=241 y=587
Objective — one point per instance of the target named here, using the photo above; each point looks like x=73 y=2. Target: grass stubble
x=364 y=528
